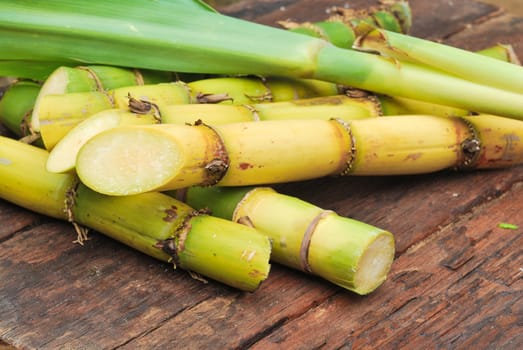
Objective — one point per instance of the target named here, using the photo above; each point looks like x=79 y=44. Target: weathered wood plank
x=431 y=19
x=504 y=29
x=55 y=293
x=455 y=286
x=13 y=218
x=444 y=293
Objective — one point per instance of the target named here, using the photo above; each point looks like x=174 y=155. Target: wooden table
x=456 y=282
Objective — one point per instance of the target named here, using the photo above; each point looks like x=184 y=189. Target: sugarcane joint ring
x=217 y=168
x=351 y=156
x=306 y=240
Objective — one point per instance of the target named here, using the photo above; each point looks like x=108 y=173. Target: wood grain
x=456 y=282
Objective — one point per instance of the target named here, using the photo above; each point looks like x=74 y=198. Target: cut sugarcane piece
x=325 y=107
x=16 y=106
x=59 y=113
x=499 y=141
x=341 y=27
x=137 y=159
x=349 y=253
x=152 y=223
x=68 y=32
x=462 y=63
x=92 y=78
x=247 y=90
x=63 y=156
x=24 y=181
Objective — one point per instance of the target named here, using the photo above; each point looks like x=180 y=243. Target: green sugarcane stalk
x=153 y=223
x=349 y=253
x=462 y=63
x=161 y=36
x=97 y=78
x=16 y=107
x=342 y=27
x=135 y=159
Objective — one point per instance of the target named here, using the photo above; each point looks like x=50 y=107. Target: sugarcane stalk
x=135 y=159
x=248 y=90
x=16 y=106
x=225 y=45
x=59 y=113
x=153 y=223
x=91 y=78
x=341 y=27
x=349 y=253
x=462 y=63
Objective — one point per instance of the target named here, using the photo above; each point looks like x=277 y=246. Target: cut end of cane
x=126 y=161
x=62 y=157
x=374 y=264
x=54 y=84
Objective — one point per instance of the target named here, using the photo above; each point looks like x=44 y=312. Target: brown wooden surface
x=456 y=282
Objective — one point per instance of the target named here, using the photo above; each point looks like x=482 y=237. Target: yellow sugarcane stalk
x=153 y=223
x=136 y=159
x=349 y=253
x=63 y=156
x=59 y=113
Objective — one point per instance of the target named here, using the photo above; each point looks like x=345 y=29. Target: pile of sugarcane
x=128 y=121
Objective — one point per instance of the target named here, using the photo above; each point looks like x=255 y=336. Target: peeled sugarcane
x=135 y=159
x=341 y=28
x=349 y=253
x=153 y=223
x=224 y=45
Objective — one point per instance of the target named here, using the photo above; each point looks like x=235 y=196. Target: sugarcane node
x=141 y=106
x=213 y=98
x=470 y=147
x=216 y=169
x=94 y=76
x=254 y=112
x=168 y=246
x=69 y=204
x=138 y=77
x=306 y=240
x=351 y=156
x=218 y=166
